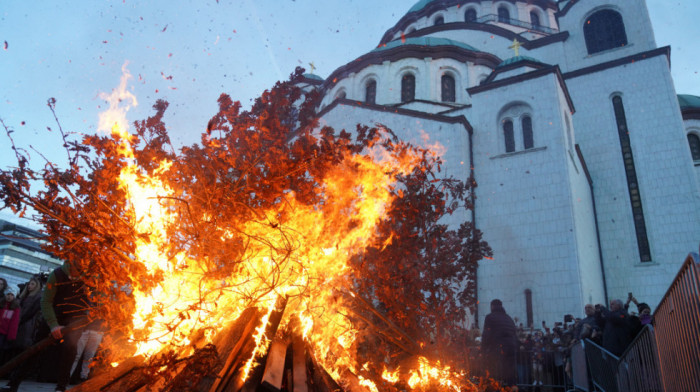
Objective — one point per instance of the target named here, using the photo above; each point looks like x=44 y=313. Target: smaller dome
x=425 y=41
x=312 y=76
x=688 y=101
x=517 y=59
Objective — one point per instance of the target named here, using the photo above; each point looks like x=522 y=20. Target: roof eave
x=408 y=51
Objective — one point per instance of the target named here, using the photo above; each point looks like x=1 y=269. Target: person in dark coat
x=588 y=327
x=63 y=302
x=3 y=287
x=30 y=302
x=617 y=334
x=499 y=344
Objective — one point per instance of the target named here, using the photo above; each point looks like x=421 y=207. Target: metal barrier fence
x=543 y=370
x=579 y=368
x=677 y=330
x=546 y=366
x=638 y=369
x=663 y=358
x=603 y=366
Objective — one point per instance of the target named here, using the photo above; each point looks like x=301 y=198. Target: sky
x=190 y=51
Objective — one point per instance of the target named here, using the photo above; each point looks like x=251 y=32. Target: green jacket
x=49 y=298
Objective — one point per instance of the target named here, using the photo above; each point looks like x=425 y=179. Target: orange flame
x=428 y=374
x=303 y=257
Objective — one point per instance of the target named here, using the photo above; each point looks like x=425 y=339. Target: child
x=9 y=318
x=538 y=348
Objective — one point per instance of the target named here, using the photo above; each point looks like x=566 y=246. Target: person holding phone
x=617 y=331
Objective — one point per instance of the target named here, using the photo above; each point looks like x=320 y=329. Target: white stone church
x=586 y=159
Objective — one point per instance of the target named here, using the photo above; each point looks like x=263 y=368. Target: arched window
x=604 y=30
x=409 y=31
x=470 y=15
x=371 y=91
x=694 y=142
x=448 y=88
x=439 y=20
x=340 y=95
x=508 y=135
x=408 y=87
x=503 y=14
x=528 y=141
x=516 y=121
x=535 y=19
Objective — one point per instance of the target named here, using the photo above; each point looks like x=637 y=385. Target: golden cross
x=313 y=67
x=516 y=46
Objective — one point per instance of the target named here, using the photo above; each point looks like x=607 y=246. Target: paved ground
x=32 y=386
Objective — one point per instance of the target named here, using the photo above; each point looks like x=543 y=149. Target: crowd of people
x=48 y=307
x=516 y=354
x=19 y=316
x=512 y=353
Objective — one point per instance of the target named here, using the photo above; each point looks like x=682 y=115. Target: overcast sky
x=190 y=51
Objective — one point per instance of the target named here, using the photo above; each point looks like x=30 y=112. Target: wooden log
x=131 y=374
x=409 y=345
x=108 y=377
x=234 y=381
x=288 y=379
x=351 y=382
x=299 y=372
x=185 y=374
x=396 y=340
x=255 y=376
x=135 y=375
x=142 y=378
x=38 y=347
x=321 y=380
x=26 y=355
x=176 y=374
x=160 y=383
x=273 y=375
x=237 y=352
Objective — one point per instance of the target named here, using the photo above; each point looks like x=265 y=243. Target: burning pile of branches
x=332 y=239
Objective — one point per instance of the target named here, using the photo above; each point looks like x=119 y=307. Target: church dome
x=419 y=5
x=424 y=3
x=535 y=18
x=688 y=101
x=312 y=76
x=425 y=42
x=518 y=59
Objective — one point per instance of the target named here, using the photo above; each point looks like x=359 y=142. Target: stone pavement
x=33 y=386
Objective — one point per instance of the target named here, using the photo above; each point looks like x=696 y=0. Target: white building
x=21 y=255
x=587 y=188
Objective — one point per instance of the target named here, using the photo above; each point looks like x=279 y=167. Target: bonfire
x=276 y=252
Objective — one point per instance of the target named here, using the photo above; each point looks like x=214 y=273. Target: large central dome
x=420 y=5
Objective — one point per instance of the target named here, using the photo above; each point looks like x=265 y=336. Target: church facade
x=587 y=162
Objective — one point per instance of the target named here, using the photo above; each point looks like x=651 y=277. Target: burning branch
x=175 y=246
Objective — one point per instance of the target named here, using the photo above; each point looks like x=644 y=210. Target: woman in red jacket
x=9 y=319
